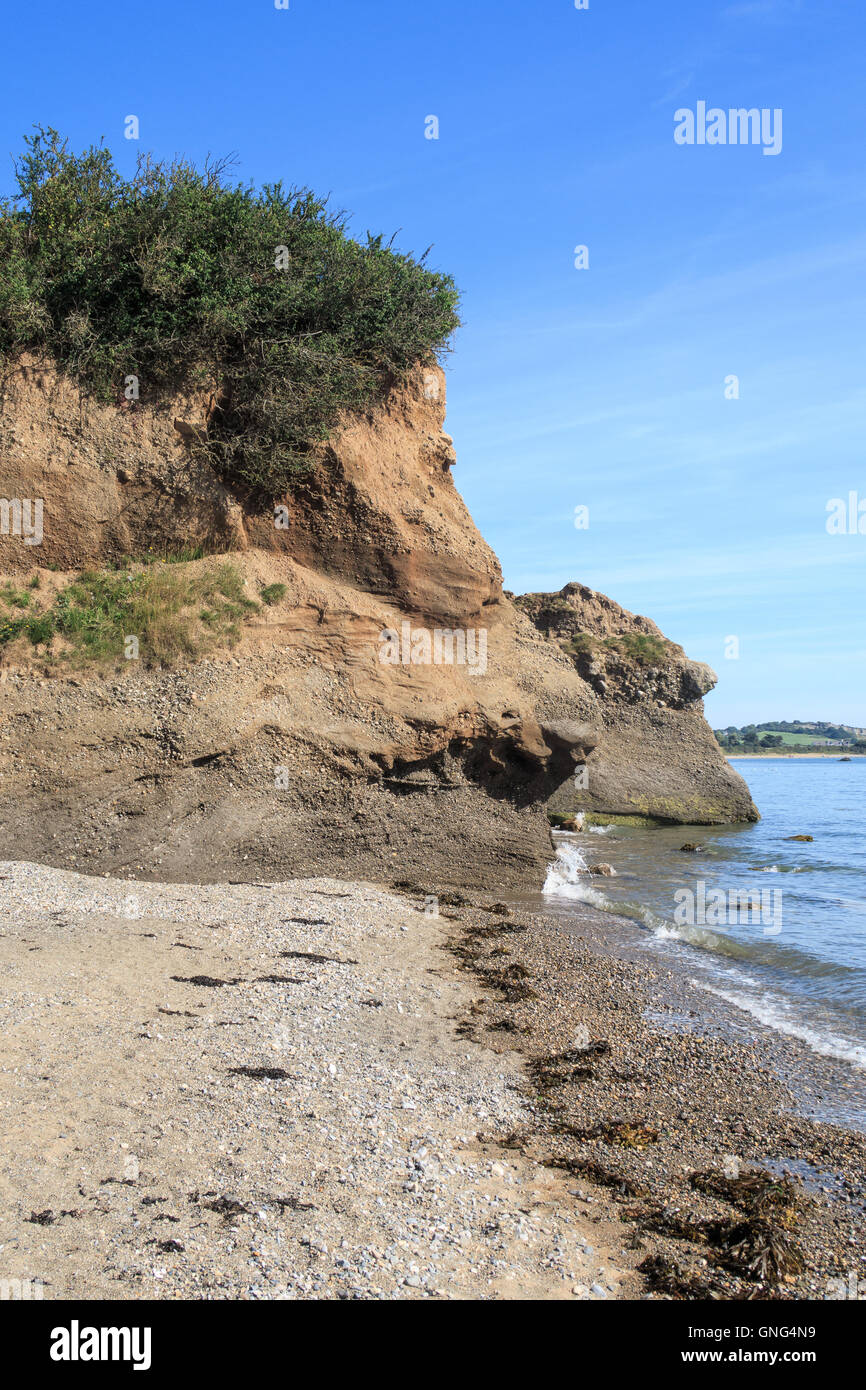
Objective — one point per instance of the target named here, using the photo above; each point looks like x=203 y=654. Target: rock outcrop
x=342 y=734
x=654 y=754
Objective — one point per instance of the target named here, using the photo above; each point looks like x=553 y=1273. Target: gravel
x=359 y=1161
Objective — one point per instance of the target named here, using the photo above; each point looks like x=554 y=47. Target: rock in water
x=654 y=756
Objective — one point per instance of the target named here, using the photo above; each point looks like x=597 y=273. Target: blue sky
x=602 y=387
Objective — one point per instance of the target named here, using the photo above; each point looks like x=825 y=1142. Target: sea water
x=798 y=967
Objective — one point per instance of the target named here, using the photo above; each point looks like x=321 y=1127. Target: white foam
x=689 y=935
x=567 y=873
x=773 y=1013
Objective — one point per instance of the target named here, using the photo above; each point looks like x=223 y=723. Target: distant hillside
x=802 y=734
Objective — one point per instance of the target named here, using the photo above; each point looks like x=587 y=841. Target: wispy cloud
x=680 y=84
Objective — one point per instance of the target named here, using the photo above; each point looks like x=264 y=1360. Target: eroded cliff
x=654 y=754
x=336 y=735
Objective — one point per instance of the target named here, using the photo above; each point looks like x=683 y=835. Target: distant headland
x=803 y=737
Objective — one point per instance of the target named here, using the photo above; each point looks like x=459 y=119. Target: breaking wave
x=775 y=1013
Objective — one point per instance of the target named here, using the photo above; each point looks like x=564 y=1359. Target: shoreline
x=689 y=1130
x=762 y=757
x=479 y=1105
x=825 y=1085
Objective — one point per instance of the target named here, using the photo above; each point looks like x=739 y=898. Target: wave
x=774 y=1013
x=784 y=868
x=705 y=938
x=568 y=877
x=723 y=957
x=564 y=874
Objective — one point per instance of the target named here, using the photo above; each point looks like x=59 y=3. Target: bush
x=634 y=646
x=171 y=276
x=579 y=643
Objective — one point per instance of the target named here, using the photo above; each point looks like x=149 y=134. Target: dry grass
x=159 y=614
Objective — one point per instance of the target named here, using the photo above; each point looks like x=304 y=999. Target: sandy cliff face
x=302 y=751
x=378 y=509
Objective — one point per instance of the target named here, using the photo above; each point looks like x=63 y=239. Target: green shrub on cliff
x=579 y=643
x=641 y=647
x=175 y=277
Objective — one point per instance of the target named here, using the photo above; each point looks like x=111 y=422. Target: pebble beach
x=320 y=1090
x=261 y=1092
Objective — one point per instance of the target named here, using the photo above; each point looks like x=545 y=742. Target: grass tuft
x=272 y=593
x=171 y=615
